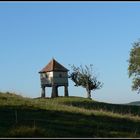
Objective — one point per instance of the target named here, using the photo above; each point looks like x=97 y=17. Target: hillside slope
x=134 y=103
x=71 y=117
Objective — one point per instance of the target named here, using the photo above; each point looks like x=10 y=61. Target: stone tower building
x=54 y=75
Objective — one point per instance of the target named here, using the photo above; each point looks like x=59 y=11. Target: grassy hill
x=71 y=117
x=135 y=103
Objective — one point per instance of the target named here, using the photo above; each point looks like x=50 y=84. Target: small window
x=46 y=76
x=60 y=75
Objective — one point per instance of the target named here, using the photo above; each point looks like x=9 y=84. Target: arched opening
x=48 y=91
x=60 y=91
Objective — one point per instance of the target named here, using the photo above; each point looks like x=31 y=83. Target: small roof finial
x=53 y=58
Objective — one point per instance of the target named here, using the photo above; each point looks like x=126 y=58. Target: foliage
x=134 y=66
x=83 y=76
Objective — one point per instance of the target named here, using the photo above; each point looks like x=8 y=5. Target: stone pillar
x=54 y=91
x=43 y=92
x=66 y=91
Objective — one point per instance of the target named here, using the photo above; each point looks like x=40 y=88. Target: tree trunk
x=88 y=93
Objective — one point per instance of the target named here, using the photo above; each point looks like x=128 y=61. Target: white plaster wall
x=54 y=77
x=60 y=77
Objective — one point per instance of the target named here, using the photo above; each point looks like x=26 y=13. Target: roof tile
x=53 y=65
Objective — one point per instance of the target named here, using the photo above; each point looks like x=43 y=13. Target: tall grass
x=26 y=131
x=66 y=117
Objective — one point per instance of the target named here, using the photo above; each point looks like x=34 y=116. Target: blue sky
x=98 y=33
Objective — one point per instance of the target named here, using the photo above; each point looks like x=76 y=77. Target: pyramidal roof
x=53 y=65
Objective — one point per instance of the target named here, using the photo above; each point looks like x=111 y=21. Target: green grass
x=67 y=117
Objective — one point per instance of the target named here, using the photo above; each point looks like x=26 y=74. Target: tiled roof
x=53 y=65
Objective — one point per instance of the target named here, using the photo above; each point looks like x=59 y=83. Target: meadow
x=66 y=117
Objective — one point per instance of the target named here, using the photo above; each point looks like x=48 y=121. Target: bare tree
x=83 y=76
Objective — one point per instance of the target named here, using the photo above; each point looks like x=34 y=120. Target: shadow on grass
x=121 y=109
x=63 y=124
